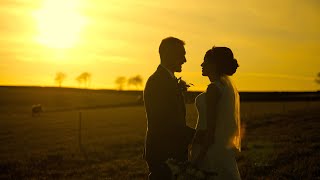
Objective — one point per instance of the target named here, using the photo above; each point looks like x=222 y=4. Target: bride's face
x=208 y=68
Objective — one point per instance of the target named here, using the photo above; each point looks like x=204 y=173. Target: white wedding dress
x=220 y=156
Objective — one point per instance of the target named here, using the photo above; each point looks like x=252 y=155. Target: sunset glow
x=59 y=23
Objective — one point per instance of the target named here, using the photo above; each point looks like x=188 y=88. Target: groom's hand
x=209 y=138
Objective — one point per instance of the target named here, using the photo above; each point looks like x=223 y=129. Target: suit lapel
x=173 y=85
x=165 y=74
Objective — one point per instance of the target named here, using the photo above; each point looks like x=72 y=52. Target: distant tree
x=318 y=78
x=135 y=81
x=60 y=77
x=84 y=78
x=120 y=81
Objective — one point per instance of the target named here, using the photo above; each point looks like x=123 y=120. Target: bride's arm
x=213 y=95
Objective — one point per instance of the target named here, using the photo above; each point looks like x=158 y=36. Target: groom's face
x=178 y=58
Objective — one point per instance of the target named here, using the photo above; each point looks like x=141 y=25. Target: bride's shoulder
x=200 y=98
x=215 y=86
x=201 y=94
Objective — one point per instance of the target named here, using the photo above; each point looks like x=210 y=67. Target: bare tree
x=80 y=80
x=318 y=78
x=84 y=78
x=60 y=77
x=135 y=81
x=120 y=81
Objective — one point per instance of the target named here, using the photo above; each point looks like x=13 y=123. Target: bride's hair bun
x=231 y=68
x=223 y=56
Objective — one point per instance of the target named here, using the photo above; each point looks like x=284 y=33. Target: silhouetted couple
x=217 y=134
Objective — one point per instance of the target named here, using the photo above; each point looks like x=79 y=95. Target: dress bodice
x=202 y=108
x=202 y=111
x=227 y=113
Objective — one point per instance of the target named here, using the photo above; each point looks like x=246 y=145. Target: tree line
x=136 y=81
x=85 y=79
x=121 y=81
x=318 y=78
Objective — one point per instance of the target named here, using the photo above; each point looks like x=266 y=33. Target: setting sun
x=59 y=23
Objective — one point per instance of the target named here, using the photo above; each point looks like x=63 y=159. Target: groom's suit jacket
x=167 y=134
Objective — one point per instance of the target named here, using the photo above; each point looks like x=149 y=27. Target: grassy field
x=20 y=99
x=281 y=141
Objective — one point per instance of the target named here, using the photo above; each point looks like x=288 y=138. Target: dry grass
x=19 y=100
x=282 y=147
x=278 y=144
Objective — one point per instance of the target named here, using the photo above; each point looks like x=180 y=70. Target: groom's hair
x=168 y=46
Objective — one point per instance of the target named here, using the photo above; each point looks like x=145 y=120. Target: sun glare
x=59 y=23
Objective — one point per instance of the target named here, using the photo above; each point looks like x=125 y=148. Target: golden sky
x=276 y=42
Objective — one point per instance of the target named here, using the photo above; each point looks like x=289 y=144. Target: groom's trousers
x=159 y=171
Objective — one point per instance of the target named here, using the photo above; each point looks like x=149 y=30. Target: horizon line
x=132 y=90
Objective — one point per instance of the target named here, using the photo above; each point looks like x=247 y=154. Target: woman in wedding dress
x=218 y=128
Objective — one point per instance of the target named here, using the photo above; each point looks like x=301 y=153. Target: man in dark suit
x=167 y=134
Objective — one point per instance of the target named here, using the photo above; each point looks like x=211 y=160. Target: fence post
x=79 y=130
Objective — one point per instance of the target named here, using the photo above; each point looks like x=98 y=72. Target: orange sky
x=276 y=42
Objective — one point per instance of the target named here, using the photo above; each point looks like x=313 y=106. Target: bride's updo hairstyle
x=223 y=57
